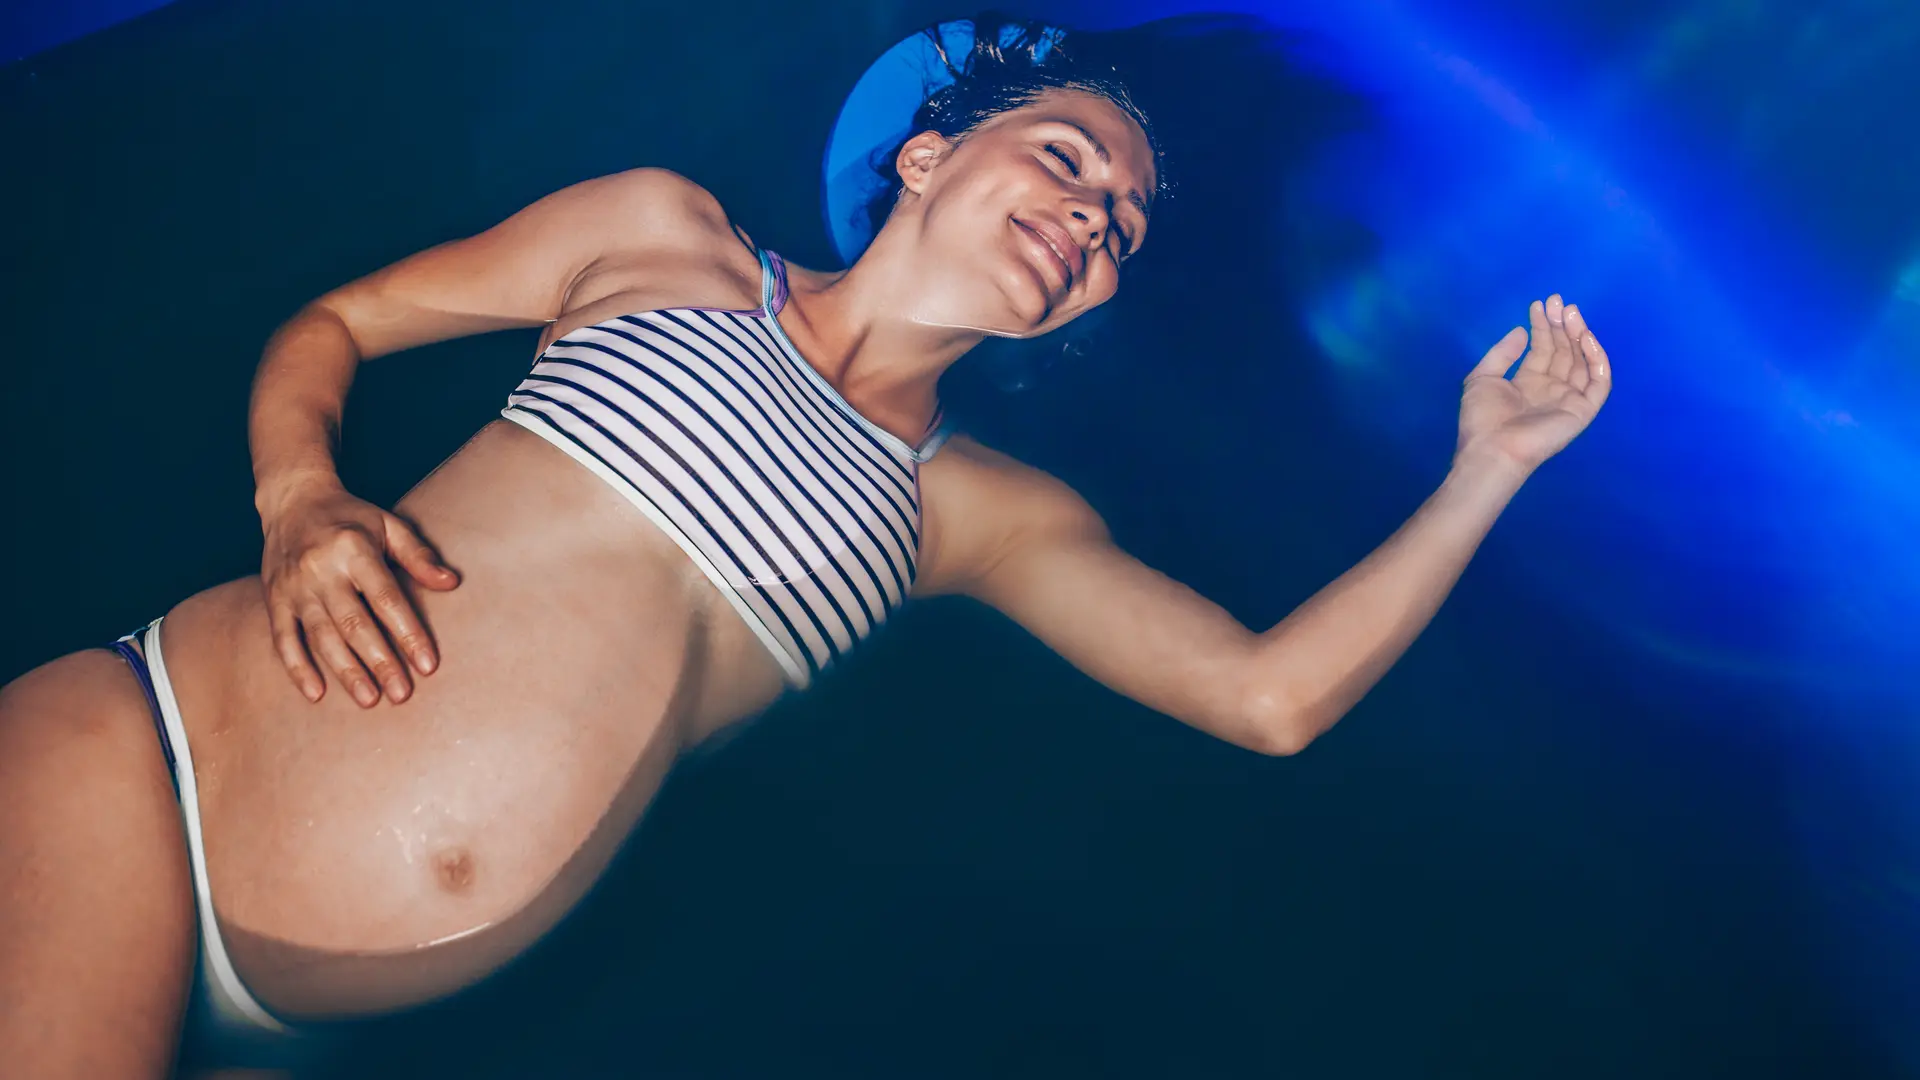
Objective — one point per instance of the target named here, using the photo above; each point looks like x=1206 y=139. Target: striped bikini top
x=805 y=514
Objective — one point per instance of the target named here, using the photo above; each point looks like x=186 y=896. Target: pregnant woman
x=390 y=763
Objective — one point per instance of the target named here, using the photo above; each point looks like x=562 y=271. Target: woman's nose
x=1092 y=222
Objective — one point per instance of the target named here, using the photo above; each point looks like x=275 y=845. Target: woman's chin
x=1028 y=309
x=1014 y=307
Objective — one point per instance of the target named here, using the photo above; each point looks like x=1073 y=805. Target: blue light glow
x=1721 y=189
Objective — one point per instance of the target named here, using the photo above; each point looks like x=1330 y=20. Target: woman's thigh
x=97 y=931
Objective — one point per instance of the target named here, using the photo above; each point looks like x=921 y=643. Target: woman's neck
x=858 y=330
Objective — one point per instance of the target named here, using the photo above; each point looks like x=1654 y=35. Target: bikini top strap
x=773 y=297
x=942 y=431
x=773 y=283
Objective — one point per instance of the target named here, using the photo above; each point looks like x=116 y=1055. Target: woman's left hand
x=1553 y=396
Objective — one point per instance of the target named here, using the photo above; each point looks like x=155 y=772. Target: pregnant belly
x=362 y=860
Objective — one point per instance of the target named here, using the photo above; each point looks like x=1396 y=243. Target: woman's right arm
x=332 y=598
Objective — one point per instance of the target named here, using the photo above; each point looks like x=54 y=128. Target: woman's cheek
x=1104 y=283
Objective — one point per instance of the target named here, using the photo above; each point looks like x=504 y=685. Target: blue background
x=30 y=26
x=1641 y=803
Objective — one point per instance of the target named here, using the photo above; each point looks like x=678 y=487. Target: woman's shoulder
x=979 y=504
x=652 y=207
x=969 y=467
x=663 y=241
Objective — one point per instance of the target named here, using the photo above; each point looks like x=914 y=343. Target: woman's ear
x=919 y=157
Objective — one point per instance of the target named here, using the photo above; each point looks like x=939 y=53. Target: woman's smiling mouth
x=1054 y=249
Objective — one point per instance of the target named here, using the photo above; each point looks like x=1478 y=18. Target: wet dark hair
x=1013 y=62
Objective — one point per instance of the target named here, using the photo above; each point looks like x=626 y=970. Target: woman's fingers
x=392 y=606
x=401 y=624
x=1500 y=358
x=339 y=603
x=331 y=650
x=1582 y=374
x=293 y=652
x=1560 y=364
x=362 y=634
x=1539 y=340
x=1600 y=372
x=405 y=547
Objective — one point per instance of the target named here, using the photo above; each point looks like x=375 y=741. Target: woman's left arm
x=1027 y=545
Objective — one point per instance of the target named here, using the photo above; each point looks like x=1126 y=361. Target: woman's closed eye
x=1120 y=235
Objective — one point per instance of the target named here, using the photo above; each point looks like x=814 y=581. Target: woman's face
x=1025 y=223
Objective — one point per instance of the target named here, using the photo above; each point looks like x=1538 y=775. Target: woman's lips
x=1050 y=249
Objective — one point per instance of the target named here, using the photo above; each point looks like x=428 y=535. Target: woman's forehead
x=1114 y=135
x=1090 y=110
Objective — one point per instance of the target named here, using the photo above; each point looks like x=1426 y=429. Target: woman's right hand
x=333 y=599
